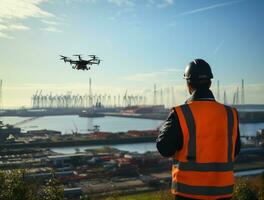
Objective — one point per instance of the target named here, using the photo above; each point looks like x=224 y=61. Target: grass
x=161 y=195
x=255 y=183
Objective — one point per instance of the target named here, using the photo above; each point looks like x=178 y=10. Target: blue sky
x=141 y=42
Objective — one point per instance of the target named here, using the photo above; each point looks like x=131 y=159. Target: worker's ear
x=210 y=83
x=190 y=89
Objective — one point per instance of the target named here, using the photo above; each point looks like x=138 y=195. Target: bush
x=244 y=191
x=15 y=186
x=164 y=195
x=52 y=191
x=261 y=189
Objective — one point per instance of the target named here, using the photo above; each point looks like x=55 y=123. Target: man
x=202 y=137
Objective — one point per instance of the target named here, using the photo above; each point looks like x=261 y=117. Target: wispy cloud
x=4 y=28
x=211 y=7
x=13 y=27
x=159 y=3
x=52 y=26
x=13 y=11
x=6 y=36
x=142 y=76
x=124 y=12
x=51 y=29
x=122 y=2
x=219 y=46
x=49 y=22
x=165 y=3
x=21 y=9
x=162 y=74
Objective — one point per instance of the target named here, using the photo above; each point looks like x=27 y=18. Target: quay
x=75 y=143
x=247 y=113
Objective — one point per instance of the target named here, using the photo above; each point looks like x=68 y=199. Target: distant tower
x=225 y=99
x=172 y=97
x=155 y=95
x=119 y=104
x=1 y=82
x=242 y=92
x=234 y=99
x=90 y=93
x=161 y=96
x=168 y=97
x=218 y=91
x=237 y=96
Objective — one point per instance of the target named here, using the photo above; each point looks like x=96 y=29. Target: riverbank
x=245 y=115
x=77 y=143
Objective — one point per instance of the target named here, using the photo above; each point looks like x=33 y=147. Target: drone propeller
x=64 y=58
x=93 y=56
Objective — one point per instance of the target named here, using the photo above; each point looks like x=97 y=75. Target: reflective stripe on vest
x=204 y=167
x=192 y=132
x=220 y=169
x=203 y=190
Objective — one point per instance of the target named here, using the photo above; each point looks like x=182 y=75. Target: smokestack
x=237 y=96
x=172 y=96
x=225 y=99
x=161 y=96
x=90 y=93
x=242 y=92
x=119 y=104
x=168 y=97
x=218 y=90
x=155 y=95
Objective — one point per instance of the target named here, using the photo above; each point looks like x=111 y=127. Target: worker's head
x=198 y=74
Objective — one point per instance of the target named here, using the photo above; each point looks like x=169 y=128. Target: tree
x=261 y=189
x=13 y=186
x=17 y=185
x=244 y=191
x=52 y=190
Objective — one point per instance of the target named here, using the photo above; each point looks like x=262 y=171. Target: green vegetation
x=15 y=185
x=103 y=149
x=161 y=195
x=245 y=189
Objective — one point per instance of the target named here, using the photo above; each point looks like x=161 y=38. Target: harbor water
x=68 y=124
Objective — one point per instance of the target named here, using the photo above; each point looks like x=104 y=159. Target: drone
x=81 y=64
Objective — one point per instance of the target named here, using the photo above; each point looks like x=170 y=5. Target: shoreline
x=245 y=117
x=79 y=143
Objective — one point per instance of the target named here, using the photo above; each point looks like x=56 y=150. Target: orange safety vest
x=203 y=168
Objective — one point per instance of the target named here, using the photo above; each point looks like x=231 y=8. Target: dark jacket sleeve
x=238 y=141
x=170 y=138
